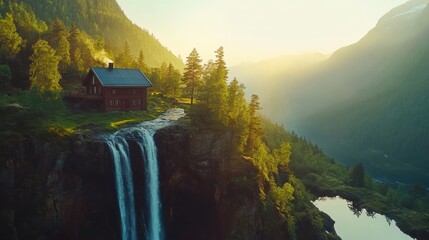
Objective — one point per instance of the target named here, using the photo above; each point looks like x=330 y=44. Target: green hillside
x=368 y=103
x=106 y=19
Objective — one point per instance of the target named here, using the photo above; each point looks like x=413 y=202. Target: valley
x=154 y=145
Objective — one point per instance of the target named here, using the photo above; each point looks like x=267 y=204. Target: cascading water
x=124 y=185
x=142 y=133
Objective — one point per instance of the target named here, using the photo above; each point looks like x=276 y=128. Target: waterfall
x=143 y=133
x=147 y=146
x=124 y=185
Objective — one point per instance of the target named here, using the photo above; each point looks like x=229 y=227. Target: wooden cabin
x=116 y=89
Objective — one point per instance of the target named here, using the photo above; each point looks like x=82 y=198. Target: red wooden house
x=116 y=89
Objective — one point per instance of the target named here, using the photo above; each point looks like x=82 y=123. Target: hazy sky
x=252 y=30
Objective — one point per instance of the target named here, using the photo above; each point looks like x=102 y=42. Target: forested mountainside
x=368 y=103
x=64 y=53
x=105 y=18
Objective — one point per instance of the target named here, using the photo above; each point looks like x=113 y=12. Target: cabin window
x=134 y=102
x=139 y=102
x=111 y=103
x=95 y=90
x=116 y=102
x=113 y=91
x=133 y=91
x=93 y=80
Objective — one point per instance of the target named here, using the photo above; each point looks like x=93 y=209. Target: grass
x=52 y=114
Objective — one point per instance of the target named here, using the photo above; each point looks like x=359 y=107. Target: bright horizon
x=256 y=30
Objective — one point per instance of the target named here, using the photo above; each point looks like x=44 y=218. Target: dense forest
x=106 y=19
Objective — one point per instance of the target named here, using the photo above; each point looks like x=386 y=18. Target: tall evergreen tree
x=172 y=81
x=58 y=39
x=357 y=176
x=214 y=92
x=141 y=63
x=125 y=59
x=57 y=32
x=44 y=74
x=238 y=115
x=221 y=93
x=204 y=93
x=82 y=51
x=255 y=130
x=75 y=41
x=192 y=74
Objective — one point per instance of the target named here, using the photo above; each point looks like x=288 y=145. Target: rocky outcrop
x=57 y=188
x=207 y=193
x=63 y=187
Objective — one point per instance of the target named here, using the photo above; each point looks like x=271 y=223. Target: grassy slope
x=40 y=114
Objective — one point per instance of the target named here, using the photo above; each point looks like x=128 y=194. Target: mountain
x=106 y=19
x=368 y=102
x=266 y=76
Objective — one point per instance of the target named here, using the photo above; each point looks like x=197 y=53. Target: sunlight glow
x=255 y=30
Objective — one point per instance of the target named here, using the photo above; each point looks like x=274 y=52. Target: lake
x=357 y=225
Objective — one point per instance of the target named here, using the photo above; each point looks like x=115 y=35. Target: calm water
x=352 y=227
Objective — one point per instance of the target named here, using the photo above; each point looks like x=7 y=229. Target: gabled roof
x=121 y=77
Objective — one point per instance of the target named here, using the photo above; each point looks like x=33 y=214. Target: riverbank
x=324 y=177
x=412 y=222
x=355 y=224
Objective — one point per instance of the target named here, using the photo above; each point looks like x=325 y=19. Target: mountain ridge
x=370 y=98
x=105 y=18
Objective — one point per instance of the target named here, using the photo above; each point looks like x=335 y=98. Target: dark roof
x=119 y=77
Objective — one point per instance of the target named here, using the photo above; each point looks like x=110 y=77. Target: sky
x=253 y=30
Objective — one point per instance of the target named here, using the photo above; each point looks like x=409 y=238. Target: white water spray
x=117 y=143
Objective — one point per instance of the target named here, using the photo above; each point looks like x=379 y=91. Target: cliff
x=57 y=188
x=207 y=194
x=63 y=187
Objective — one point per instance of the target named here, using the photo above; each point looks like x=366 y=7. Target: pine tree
x=238 y=115
x=172 y=81
x=75 y=41
x=204 y=93
x=10 y=40
x=192 y=74
x=57 y=32
x=220 y=105
x=74 y=38
x=214 y=91
x=162 y=77
x=255 y=130
x=44 y=74
x=357 y=176
x=125 y=59
x=141 y=64
x=58 y=40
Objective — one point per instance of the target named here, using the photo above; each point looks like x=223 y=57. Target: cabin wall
x=122 y=98
x=93 y=85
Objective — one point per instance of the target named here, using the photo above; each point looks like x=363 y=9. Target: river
x=358 y=225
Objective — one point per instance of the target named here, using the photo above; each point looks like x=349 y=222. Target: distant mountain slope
x=267 y=76
x=369 y=102
x=106 y=19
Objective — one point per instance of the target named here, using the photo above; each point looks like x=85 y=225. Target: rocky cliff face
x=64 y=188
x=207 y=193
x=57 y=189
